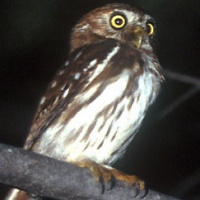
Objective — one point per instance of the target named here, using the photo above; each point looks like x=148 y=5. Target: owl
x=97 y=101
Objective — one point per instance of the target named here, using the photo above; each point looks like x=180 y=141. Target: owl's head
x=117 y=21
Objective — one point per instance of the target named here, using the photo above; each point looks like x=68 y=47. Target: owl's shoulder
x=101 y=49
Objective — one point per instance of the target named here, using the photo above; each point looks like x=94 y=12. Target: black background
x=34 y=42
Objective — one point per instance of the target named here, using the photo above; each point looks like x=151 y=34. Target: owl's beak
x=138 y=35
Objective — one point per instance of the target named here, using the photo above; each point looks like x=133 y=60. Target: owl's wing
x=97 y=63
x=47 y=105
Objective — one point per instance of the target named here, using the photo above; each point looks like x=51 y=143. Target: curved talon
x=113 y=182
x=101 y=180
x=107 y=184
x=108 y=176
x=146 y=190
x=136 y=192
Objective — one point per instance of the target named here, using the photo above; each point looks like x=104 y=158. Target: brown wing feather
x=71 y=80
x=48 y=102
x=52 y=104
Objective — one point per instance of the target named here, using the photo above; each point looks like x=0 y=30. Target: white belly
x=102 y=130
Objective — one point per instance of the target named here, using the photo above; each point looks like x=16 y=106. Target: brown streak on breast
x=100 y=145
x=89 y=130
x=131 y=101
x=113 y=137
x=86 y=146
x=137 y=98
x=119 y=113
x=108 y=131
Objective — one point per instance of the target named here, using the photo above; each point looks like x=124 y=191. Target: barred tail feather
x=15 y=194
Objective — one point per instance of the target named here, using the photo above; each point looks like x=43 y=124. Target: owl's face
x=116 y=21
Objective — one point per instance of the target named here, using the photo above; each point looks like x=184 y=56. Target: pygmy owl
x=96 y=103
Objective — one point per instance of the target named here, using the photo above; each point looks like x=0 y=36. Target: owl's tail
x=15 y=194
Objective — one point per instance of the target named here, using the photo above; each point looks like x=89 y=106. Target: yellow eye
x=150 y=29
x=118 y=21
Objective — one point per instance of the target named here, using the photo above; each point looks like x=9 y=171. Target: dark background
x=34 y=42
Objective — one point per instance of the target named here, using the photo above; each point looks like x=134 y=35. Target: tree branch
x=181 y=77
x=179 y=100
x=47 y=177
x=187 y=184
x=188 y=94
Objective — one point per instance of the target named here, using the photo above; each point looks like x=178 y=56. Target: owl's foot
x=108 y=175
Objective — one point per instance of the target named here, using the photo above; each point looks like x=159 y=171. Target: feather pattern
x=97 y=105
